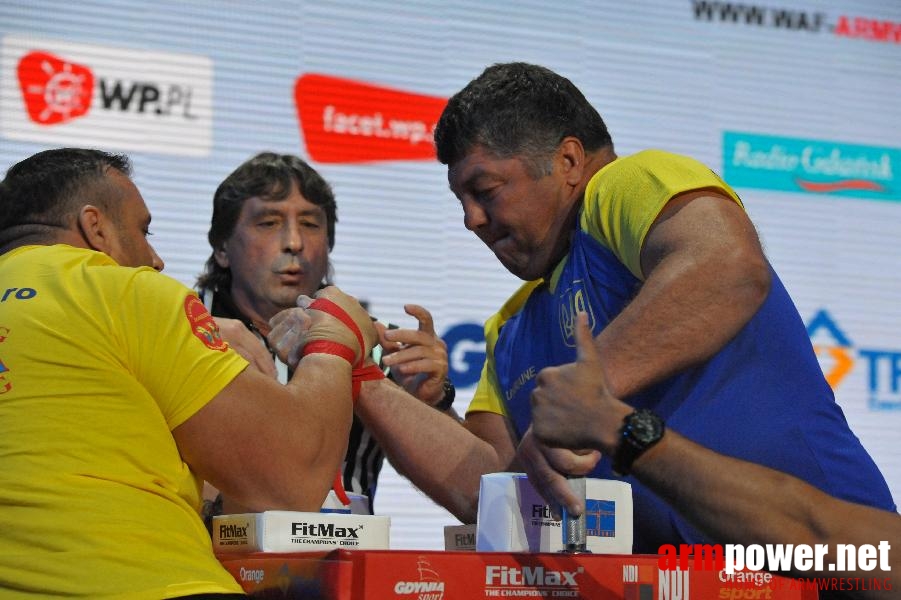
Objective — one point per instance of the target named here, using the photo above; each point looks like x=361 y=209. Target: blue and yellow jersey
x=620 y=204
x=762 y=397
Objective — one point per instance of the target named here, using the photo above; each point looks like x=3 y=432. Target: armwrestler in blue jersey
x=689 y=318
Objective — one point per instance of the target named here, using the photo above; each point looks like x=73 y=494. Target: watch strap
x=450 y=392
x=641 y=430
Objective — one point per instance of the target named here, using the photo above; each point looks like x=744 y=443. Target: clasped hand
x=294 y=328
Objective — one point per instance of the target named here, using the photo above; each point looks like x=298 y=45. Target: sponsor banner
x=793 y=19
x=347 y=121
x=424 y=575
x=465 y=352
x=811 y=166
x=838 y=355
x=65 y=93
x=289 y=531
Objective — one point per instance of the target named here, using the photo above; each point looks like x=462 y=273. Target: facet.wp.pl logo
x=838 y=356
x=811 y=166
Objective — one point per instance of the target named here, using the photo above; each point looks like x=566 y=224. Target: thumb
x=586 y=350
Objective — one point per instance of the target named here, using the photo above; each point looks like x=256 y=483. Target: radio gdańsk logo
x=810 y=166
x=429 y=585
x=67 y=93
x=838 y=356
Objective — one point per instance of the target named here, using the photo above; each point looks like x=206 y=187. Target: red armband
x=329 y=347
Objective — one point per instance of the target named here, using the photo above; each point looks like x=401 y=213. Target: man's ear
x=571 y=155
x=221 y=256
x=95 y=228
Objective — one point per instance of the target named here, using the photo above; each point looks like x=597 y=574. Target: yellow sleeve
x=488 y=396
x=623 y=199
x=175 y=350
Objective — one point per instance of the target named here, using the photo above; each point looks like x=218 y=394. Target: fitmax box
x=460 y=538
x=513 y=517
x=291 y=531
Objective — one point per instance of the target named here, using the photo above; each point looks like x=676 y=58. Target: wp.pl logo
x=55 y=90
x=66 y=93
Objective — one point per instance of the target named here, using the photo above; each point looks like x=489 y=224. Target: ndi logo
x=673 y=585
x=810 y=166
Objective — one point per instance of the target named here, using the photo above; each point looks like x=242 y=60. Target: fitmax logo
x=324 y=530
x=232 y=531
x=836 y=354
x=498 y=575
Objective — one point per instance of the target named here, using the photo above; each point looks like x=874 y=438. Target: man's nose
x=474 y=216
x=293 y=239
x=156 y=262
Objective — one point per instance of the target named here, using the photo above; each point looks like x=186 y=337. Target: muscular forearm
x=734 y=501
x=271 y=446
x=436 y=452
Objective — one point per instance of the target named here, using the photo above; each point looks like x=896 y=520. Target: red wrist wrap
x=329 y=347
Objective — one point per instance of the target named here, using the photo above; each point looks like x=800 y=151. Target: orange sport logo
x=202 y=324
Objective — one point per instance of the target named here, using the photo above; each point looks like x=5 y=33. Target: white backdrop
x=191 y=89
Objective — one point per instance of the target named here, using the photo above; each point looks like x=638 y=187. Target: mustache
x=290 y=261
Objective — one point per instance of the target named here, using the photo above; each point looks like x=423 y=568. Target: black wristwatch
x=641 y=430
x=450 y=392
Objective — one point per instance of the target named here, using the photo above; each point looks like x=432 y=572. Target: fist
x=341 y=320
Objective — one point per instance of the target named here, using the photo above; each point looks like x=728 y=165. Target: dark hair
x=47 y=189
x=268 y=176
x=518 y=109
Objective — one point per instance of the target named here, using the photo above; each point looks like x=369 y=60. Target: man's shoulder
x=651 y=168
x=645 y=160
x=511 y=307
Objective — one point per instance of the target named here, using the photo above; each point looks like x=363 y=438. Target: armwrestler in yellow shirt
x=118 y=396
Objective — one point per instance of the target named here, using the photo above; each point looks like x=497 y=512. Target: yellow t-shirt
x=98 y=363
x=620 y=204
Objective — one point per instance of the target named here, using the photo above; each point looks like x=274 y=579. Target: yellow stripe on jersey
x=623 y=199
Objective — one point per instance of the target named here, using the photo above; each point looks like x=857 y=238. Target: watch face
x=645 y=427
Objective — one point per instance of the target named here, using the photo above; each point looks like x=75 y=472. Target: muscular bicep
x=705 y=276
x=703 y=225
